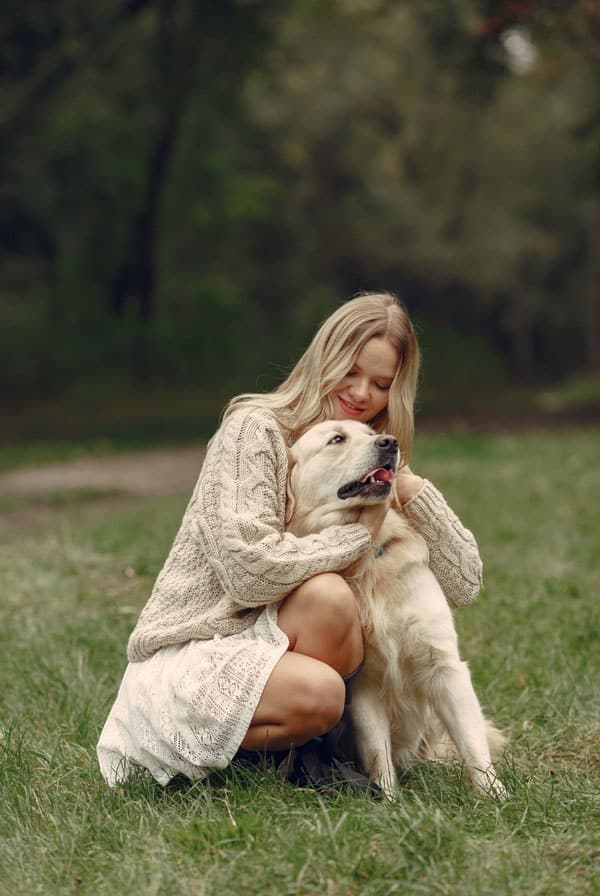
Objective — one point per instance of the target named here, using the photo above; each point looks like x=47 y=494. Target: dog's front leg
x=455 y=701
x=373 y=738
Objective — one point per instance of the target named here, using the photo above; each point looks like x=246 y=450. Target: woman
x=251 y=634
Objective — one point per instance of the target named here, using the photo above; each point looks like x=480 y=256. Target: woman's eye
x=336 y=440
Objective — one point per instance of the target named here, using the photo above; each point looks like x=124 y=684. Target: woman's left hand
x=405 y=486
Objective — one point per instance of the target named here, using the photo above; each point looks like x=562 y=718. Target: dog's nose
x=388 y=442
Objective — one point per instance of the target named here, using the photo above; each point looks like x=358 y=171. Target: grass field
x=74 y=575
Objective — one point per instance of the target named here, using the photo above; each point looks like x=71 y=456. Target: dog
x=413 y=699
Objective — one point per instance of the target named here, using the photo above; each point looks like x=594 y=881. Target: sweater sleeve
x=453 y=554
x=256 y=561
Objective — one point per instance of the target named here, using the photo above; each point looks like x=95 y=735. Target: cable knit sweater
x=232 y=556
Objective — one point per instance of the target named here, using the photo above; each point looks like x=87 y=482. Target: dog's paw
x=390 y=794
x=489 y=782
x=387 y=782
x=496 y=789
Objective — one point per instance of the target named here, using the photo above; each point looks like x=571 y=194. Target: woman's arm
x=453 y=554
x=241 y=522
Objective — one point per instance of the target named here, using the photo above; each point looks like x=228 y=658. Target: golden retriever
x=414 y=698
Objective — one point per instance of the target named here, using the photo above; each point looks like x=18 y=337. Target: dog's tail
x=440 y=748
x=497 y=740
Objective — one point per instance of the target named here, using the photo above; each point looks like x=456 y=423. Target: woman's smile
x=351 y=408
x=364 y=391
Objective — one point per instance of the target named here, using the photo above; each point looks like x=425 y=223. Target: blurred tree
x=93 y=103
x=569 y=33
x=420 y=154
x=189 y=186
x=189 y=40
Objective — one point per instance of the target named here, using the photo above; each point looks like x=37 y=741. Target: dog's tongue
x=380 y=475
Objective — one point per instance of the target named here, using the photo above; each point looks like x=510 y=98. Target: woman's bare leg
x=304 y=696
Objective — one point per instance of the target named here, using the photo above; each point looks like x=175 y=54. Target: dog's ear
x=290 y=503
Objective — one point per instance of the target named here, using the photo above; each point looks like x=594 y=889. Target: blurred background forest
x=188 y=187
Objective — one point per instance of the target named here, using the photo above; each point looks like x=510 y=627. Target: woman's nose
x=360 y=388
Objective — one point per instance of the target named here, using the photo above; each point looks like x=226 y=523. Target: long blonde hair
x=302 y=399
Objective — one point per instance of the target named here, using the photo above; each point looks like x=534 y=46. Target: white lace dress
x=186 y=709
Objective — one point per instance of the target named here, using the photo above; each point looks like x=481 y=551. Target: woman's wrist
x=406 y=487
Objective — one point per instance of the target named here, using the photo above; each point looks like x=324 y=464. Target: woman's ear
x=290 y=504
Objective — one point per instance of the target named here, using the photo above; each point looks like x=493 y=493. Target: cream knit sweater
x=232 y=556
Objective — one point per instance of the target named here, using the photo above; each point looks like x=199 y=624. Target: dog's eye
x=336 y=440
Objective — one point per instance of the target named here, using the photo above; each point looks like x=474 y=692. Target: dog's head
x=336 y=467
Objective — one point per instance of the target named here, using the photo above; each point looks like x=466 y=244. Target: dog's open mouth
x=377 y=483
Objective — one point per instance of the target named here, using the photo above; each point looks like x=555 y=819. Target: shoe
x=178 y=783
x=314 y=765
x=311 y=765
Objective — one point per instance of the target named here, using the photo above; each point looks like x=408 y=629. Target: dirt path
x=163 y=472
x=174 y=470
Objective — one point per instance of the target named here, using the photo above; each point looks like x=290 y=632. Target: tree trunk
x=136 y=277
x=135 y=280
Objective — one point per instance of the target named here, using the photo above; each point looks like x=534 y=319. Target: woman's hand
x=405 y=486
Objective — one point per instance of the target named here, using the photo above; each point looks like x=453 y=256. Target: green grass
x=73 y=581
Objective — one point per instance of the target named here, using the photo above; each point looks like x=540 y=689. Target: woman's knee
x=326 y=598
x=321 y=620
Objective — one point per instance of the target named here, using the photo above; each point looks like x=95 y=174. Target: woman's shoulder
x=249 y=438
x=250 y=424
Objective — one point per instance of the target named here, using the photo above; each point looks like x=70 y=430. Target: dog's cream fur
x=413 y=698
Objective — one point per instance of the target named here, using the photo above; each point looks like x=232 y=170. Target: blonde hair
x=302 y=399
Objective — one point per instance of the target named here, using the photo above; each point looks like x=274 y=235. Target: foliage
x=439 y=166
x=189 y=186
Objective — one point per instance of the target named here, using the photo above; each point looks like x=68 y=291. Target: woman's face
x=363 y=392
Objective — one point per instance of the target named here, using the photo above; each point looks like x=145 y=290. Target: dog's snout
x=387 y=442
